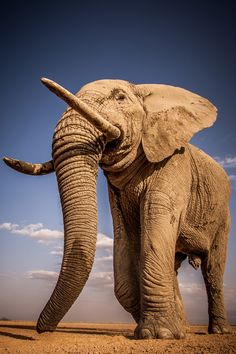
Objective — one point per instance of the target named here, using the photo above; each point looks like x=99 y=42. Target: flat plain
x=91 y=338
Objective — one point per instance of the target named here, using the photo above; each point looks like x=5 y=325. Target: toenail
x=145 y=334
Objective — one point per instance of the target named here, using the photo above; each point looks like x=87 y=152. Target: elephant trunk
x=77 y=148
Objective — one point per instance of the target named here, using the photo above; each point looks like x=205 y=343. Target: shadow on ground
x=15 y=336
x=128 y=333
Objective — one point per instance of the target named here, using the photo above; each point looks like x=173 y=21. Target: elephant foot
x=160 y=328
x=187 y=328
x=219 y=328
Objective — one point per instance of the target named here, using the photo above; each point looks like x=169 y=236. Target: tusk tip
x=9 y=161
x=45 y=81
x=52 y=86
x=6 y=159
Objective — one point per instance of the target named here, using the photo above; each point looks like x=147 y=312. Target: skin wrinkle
x=69 y=194
x=66 y=135
x=77 y=148
x=73 y=167
x=71 y=132
x=65 y=188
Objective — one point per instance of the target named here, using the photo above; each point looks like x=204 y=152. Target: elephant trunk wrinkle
x=78 y=199
x=80 y=241
x=79 y=138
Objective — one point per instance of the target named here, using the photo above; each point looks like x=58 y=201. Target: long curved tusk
x=34 y=169
x=110 y=131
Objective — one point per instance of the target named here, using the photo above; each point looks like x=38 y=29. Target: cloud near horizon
x=191 y=288
x=102 y=273
x=42 y=275
x=35 y=231
x=41 y=234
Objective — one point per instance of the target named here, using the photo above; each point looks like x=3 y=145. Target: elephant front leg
x=126 y=275
x=213 y=265
x=159 y=316
x=126 y=259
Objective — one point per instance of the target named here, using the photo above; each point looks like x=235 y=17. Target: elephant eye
x=120 y=97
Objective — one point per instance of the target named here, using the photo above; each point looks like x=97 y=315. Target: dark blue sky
x=184 y=43
x=190 y=44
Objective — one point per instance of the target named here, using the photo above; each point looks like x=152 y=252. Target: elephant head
x=112 y=123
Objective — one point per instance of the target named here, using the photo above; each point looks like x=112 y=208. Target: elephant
x=169 y=200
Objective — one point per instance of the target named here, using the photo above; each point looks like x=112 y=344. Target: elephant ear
x=173 y=116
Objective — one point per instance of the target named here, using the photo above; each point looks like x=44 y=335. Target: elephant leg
x=157 y=263
x=126 y=262
x=179 y=258
x=213 y=265
x=126 y=275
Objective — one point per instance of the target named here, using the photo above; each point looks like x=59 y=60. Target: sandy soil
x=21 y=337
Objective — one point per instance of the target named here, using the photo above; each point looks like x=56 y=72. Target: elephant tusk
x=110 y=131
x=34 y=169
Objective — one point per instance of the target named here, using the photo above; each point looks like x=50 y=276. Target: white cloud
x=101 y=279
x=104 y=255
x=44 y=235
x=105 y=259
x=103 y=264
x=8 y=226
x=104 y=245
x=104 y=241
x=46 y=242
x=102 y=274
x=42 y=275
x=58 y=251
x=36 y=231
x=227 y=162
x=192 y=288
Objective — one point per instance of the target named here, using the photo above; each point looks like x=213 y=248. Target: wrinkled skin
x=169 y=201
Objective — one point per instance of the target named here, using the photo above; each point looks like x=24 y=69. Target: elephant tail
x=34 y=169
x=194 y=261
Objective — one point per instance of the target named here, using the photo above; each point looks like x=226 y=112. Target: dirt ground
x=21 y=337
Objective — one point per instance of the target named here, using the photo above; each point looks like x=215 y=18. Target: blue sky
x=181 y=43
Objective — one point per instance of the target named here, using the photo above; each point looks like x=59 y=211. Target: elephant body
x=149 y=208
x=169 y=200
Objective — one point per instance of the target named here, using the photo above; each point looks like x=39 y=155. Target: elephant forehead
x=105 y=86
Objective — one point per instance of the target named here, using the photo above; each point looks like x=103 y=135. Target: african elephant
x=169 y=200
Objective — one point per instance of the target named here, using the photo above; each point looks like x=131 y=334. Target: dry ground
x=21 y=337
